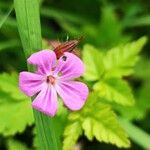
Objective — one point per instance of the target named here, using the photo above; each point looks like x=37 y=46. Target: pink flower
x=54 y=76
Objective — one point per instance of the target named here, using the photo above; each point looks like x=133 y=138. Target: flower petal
x=45 y=61
x=46 y=101
x=73 y=93
x=70 y=66
x=30 y=83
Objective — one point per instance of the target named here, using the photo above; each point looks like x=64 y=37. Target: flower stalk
x=28 y=19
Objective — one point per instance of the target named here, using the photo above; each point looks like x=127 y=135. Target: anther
x=50 y=79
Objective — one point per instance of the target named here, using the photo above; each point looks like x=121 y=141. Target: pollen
x=60 y=74
x=50 y=79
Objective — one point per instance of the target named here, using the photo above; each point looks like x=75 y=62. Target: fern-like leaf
x=115 y=90
x=9 y=85
x=71 y=134
x=97 y=120
x=120 y=61
x=16 y=145
x=15 y=114
x=93 y=61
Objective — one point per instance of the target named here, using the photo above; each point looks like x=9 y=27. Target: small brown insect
x=66 y=47
x=64 y=58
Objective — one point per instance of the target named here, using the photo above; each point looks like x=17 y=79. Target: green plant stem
x=136 y=134
x=28 y=19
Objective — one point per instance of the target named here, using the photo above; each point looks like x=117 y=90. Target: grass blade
x=136 y=134
x=9 y=44
x=27 y=13
x=4 y=18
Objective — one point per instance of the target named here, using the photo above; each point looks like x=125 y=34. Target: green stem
x=28 y=19
x=136 y=134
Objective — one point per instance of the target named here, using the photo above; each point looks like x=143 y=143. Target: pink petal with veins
x=30 y=83
x=45 y=60
x=46 y=101
x=70 y=66
x=73 y=93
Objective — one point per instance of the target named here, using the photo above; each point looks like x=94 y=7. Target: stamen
x=60 y=74
x=50 y=79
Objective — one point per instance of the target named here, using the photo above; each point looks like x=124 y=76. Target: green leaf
x=16 y=145
x=108 y=32
x=120 y=61
x=96 y=120
x=4 y=18
x=10 y=22
x=141 y=107
x=93 y=61
x=71 y=134
x=14 y=105
x=130 y=113
x=139 y=21
x=110 y=28
x=9 y=85
x=115 y=90
x=15 y=115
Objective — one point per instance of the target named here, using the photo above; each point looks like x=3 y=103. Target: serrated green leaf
x=15 y=115
x=15 y=108
x=93 y=61
x=141 y=107
x=120 y=61
x=97 y=120
x=71 y=134
x=9 y=85
x=115 y=90
x=130 y=113
x=109 y=130
x=16 y=145
x=35 y=139
x=88 y=128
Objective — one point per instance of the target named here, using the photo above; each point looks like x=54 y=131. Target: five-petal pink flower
x=51 y=77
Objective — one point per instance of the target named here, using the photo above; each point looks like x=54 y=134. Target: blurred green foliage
x=117 y=73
